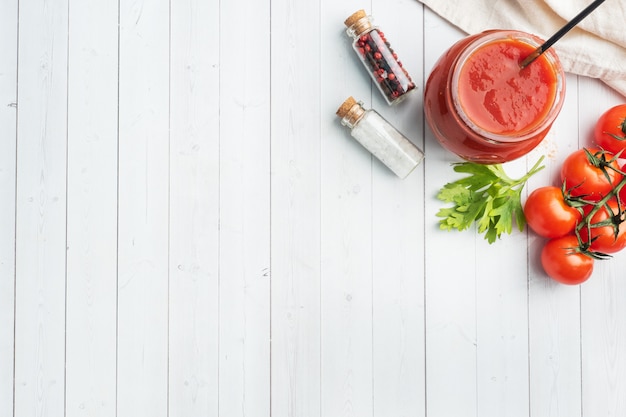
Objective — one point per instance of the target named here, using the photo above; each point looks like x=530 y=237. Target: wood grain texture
x=188 y=230
x=92 y=209
x=346 y=230
x=244 y=285
x=143 y=209
x=295 y=216
x=8 y=148
x=194 y=209
x=41 y=210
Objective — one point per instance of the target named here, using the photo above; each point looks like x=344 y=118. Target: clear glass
x=379 y=59
x=383 y=140
x=456 y=128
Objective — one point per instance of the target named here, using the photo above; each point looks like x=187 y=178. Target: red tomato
x=603 y=238
x=563 y=262
x=548 y=214
x=584 y=178
x=610 y=130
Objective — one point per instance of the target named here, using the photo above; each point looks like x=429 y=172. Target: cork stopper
x=344 y=109
x=355 y=17
x=350 y=112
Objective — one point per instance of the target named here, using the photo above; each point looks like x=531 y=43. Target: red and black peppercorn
x=379 y=58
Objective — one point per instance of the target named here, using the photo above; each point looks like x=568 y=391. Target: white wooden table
x=187 y=230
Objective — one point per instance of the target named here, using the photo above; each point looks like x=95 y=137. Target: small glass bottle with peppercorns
x=379 y=59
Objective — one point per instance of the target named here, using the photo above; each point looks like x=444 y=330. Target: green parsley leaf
x=487 y=197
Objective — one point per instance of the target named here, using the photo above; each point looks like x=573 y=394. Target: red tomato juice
x=498 y=96
x=482 y=106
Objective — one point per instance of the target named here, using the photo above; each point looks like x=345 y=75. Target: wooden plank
x=143 y=228
x=244 y=287
x=603 y=314
x=554 y=309
x=194 y=208
x=8 y=121
x=92 y=209
x=398 y=234
x=346 y=225
x=41 y=210
x=295 y=202
x=450 y=287
x=502 y=325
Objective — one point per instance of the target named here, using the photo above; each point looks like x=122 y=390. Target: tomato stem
x=614 y=220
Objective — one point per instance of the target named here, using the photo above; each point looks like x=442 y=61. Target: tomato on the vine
x=610 y=130
x=564 y=262
x=603 y=238
x=582 y=177
x=548 y=214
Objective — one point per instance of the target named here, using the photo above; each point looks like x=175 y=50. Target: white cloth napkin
x=596 y=47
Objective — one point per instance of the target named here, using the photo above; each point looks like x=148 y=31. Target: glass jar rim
x=492 y=36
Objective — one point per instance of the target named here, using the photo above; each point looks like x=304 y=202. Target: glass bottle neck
x=360 y=27
x=353 y=115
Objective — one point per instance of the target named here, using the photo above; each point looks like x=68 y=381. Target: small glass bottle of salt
x=379 y=137
x=380 y=61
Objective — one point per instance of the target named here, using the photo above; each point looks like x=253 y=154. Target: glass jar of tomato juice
x=482 y=106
